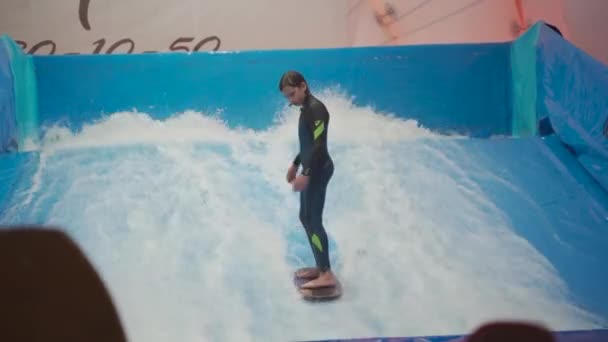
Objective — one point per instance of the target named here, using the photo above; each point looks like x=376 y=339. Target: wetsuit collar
x=307 y=100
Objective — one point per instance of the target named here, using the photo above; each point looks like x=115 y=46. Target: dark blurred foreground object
x=50 y=292
x=510 y=332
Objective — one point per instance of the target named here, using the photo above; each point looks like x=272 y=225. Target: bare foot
x=308 y=273
x=325 y=279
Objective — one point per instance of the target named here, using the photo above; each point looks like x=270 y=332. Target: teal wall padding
x=524 y=84
x=26 y=99
x=8 y=126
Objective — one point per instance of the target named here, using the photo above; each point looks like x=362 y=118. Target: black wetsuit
x=316 y=163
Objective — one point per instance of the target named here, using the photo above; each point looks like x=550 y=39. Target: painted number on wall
x=125 y=45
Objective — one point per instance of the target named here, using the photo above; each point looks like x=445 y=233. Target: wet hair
x=292 y=79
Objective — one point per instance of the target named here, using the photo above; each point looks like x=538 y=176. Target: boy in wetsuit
x=317 y=170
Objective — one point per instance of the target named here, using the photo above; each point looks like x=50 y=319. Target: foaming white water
x=349 y=124
x=195 y=230
x=128 y=128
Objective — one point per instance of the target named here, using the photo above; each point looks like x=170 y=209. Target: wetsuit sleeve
x=296 y=160
x=317 y=122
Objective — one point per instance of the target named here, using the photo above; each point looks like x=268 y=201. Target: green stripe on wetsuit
x=317 y=242
x=319 y=129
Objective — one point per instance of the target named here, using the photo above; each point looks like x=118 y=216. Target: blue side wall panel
x=463 y=88
x=13 y=168
x=8 y=127
x=573 y=94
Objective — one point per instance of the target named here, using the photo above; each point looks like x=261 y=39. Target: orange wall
x=160 y=24
x=586 y=20
x=428 y=21
x=288 y=24
x=448 y=21
x=583 y=22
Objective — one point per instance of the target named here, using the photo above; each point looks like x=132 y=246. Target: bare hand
x=300 y=183
x=291 y=173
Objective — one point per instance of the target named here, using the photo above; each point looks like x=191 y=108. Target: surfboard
x=318 y=294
